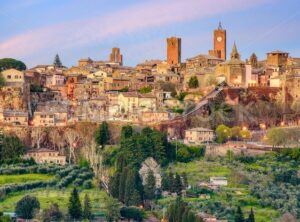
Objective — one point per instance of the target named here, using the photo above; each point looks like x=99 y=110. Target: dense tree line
x=11 y=148
x=126 y=184
x=225 y=133
x=179 y=211
x=188 y=153
x=174 y=183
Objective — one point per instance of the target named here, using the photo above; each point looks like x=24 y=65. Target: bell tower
x=173 y=51
x=219 y=43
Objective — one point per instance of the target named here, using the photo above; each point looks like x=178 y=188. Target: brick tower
x=116 y=56
x=219 y=43
x=173 y=51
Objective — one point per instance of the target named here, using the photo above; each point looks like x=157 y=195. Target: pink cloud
x=139 y=17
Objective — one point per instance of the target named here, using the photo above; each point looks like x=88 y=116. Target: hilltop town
x=152 y=92
x=213 y=137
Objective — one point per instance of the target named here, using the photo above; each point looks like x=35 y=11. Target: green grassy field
x=200 y=170
x=23 y=178
x=235 y=193
x=49 y=196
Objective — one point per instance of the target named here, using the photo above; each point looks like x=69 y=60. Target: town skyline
x=144 y=39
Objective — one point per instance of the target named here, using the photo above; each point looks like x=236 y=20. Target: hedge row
x=25 y=186
x=45 y=169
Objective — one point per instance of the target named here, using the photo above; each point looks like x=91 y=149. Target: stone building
x=85 y=62
x=233 y=71
x=173 y=51
x=197 y=136
x=154 y=116
x=13 y=117
x=44 y=155
x=13 y=76
x=115 y=84
x=132 y=102
x=277 y=58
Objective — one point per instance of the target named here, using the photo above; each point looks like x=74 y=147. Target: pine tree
x=87 y=209
x=251 y=217
x=239 y=216
x=74 y=208
x=57 y=61
x=193 y=82
x=150 y=188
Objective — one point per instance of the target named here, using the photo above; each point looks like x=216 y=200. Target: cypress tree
x=239 y=216
x=185 y=215
x=127 y=132
x=114 y=182
x=177 y=184
x=171 y=182
x=165 y=183
x=131 y=195
x=122 y=184
x=87 y=209
x=102 y=134
x=150 y=188
x=191 y=217
x=74 y=208
x=185 y=180
x=251 y=217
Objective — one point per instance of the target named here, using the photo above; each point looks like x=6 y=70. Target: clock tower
x=219 y=43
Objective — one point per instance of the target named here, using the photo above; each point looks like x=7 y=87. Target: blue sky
x=35 y=30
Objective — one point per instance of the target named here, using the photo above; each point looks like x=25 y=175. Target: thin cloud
x=130 y=20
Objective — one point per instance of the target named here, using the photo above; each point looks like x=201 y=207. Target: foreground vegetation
x=61 y=197
x=23 y=178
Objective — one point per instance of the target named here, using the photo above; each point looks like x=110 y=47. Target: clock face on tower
x=219 y=39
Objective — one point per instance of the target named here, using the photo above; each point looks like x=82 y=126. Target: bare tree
x=37 y=135
x=54 y=136
x=90 y=149
x=72 y=138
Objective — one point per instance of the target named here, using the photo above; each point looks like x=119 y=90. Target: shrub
x=78 y=182
x=87 y=184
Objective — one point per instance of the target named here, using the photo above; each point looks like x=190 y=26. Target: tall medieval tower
x=173 y=51
x=116 y=56
x=219 y=43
